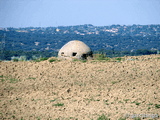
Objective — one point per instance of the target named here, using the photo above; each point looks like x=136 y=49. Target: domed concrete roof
x=75 y=49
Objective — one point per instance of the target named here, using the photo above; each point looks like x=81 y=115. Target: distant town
x=124 y=38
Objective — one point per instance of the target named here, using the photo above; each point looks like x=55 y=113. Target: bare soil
x=70 y=90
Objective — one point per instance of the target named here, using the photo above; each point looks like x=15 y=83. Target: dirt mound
x=70 y=90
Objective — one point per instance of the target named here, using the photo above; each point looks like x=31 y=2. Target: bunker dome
x=75 y=50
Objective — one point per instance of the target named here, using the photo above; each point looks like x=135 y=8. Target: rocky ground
x=116 y=89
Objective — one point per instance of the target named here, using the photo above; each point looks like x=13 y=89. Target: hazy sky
x=45 y=13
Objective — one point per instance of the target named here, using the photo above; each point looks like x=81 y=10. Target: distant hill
x=114 y=40
x=114 y=37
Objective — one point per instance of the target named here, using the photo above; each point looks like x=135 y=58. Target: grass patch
x=38 y=118
x=40 y=59
x=91 y=99
x=106 y=102
x=103 y=117
x=149 y=108
x=83 y=61
x=150 y=104
x=79 y=83
x=120 y=102
x=53 y=100
x=137 y=103
x=104 y=58
x=32 y=78
x=2 y=78
x=114 y=82
x=126 y=100
x=100 y=57
x=119 y=59
x=53 y=60
x=13 y=80
x=137 y=118
x=157 y=106
x=74 y=60
x=8 y=78
x=58 y=104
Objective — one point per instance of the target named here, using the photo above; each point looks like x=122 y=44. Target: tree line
x=32 y=55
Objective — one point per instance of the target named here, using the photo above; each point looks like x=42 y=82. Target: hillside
x=115 y=89
x=114 y=37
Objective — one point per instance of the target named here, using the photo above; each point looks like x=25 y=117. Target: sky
x=53 y=13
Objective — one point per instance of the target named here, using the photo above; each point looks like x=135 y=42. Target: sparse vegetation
x=10 y=78
x=58 y=104
x=69 y=90
x=137 y=103
x=157 y=106
x=38 y=118
x=103 y=117
x=83 y=61
x=40 y=59
x=126 y=100
x=101 y=57
x=74 y=60
x=53 y=100
x=114 y=82
x=1 y=76
x=119 y=59
x=32 y=78
x=52 y=60
x=149 y=108
x=120 y=102
x=150 y=104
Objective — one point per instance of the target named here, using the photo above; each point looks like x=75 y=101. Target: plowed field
x=73 y=90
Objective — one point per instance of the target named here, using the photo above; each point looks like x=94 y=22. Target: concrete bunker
x=75 y=50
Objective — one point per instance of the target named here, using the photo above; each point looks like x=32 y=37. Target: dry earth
x=70 y=90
